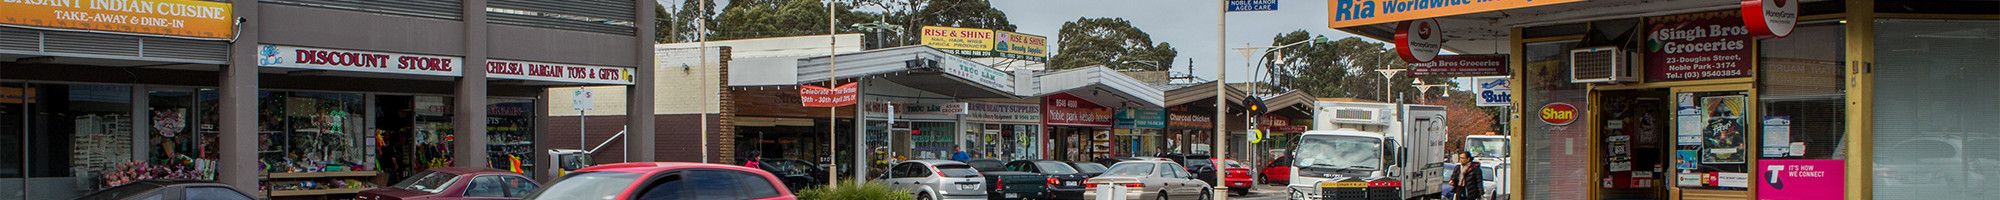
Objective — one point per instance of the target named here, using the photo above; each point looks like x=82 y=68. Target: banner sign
x=979 y=74
x=1063 y=109
x=1004 y=113
x=1348 y=13
x=181 y=18
x=1253 y=5
x=1022 y=46
x=1784 y=179
x=1462 y=65
x=1697 y=46
x=357 y=61
x=821 y=97
x=1770 y=17
x=964 y=41
x=1142 y=118
x=538 y=71
x=1190 y=121
x=1418 y=41
x=1493 y=91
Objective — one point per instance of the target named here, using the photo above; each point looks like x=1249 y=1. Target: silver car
x=1150 y=179
x=937 y=180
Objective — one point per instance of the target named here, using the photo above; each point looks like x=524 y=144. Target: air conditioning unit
x=1601 y=65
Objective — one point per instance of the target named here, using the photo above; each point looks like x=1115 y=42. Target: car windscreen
x=1200 y=163
x=1053 y=167
x=587 y=185
x=957 y=171
x=1335 y=152
x=1233 y=164
x=987 y=165
x=1090 y=168
x=1130 y=169
x=427 y=182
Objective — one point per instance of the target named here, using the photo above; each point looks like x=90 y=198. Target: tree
x=1463 y=118
x=681 y=25
x=913 y=15
x=1111 y=42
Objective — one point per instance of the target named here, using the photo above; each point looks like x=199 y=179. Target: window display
x=510 y=135
x=313 y=143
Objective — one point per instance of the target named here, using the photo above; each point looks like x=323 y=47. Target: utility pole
x=833 y=112
x=1221 y=99
x=701 y=27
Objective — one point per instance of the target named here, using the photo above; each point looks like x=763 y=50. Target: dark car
x=1089 y=169
x=168 y=190
x=1010 y=184
x=797 y=174
x=666 y=180
x=456 y=183
x=1064 y=182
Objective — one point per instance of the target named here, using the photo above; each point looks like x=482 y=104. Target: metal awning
x=1101 y=85
x=1198 y=92
x=1487 y=32
x=1293 y=100
x=920 y=67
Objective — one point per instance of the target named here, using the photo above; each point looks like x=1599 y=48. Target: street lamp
x=1220 y=147
x=1387 y=75
x=1424 y=89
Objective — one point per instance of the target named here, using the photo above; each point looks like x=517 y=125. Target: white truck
x=1367 y=150
x=1491 y=153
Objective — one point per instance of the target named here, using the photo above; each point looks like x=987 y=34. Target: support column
x=469 y=115
x=237 y=165
x=639 y=121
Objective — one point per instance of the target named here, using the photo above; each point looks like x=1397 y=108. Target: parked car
x=1008 y=183
x=165 y=189
x=1277 y=172
x=1089 y=169
x=796 y=174
x=456 y=183
x=666 y=180
x=1237 y=177
x=1114 y=161
x=1064 y=182
x=937 y=179
x=1149 y=180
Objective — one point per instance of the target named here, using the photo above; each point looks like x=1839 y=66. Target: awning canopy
x=920 y=67
x=1293 y=101
x=1199 y=92
x=1101 y=85
x=1487 y=32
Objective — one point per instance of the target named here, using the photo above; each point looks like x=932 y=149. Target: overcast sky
x=1188 y=24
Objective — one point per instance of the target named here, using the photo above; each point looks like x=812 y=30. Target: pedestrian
x=1467 y=182
x=753 y=161
x=959 y=154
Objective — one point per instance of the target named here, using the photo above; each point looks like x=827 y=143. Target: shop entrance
x=1633 y=134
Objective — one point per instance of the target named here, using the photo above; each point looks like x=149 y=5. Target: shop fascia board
x=1200 y=92
x=1101 y=78
x=893 y=61
x=1479 y=32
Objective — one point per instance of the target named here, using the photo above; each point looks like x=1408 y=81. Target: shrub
x=852 y=190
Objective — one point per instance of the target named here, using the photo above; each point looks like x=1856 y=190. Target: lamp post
x=1388 y=74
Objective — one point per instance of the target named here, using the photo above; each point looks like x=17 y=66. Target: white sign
x=1735 y=180
x=1770 y=17
x=1777 y=136
x=357 y=61
x=1493 y=91
x=980 y=74
x=538 y=71
x=1418 y=41
x=580 y=100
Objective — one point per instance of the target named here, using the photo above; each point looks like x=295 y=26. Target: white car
x=1149 y=179
x=937 y=180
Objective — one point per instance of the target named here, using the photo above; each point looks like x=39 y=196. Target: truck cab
x=1367 y=146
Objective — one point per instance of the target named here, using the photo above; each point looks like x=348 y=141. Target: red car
x=456 y=183
x=1278 y=171
x=666 y=180
x=1238 y=178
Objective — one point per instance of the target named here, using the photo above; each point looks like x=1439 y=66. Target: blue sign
x=1493 y=91
x=1253 y=5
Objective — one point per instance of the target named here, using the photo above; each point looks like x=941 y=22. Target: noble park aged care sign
x=180 y=18
x=1697 y=46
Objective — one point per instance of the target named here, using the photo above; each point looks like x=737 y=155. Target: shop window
x=510 y=135
x=1556 y=151
x=1802 y=93
x=1936 y=133
x=64 y=138
x=173 y=137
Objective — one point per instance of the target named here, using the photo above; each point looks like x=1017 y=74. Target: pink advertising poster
x=1800 y=179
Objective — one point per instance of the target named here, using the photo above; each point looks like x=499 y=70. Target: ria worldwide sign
x=1347 y=13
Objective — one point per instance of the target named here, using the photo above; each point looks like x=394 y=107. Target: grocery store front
x=271 y=107
x=1687 y=100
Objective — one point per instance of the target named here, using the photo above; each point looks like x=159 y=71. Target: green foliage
x=1340 y=68
x=681 y=25
x=852 y=190
x=1111 y=42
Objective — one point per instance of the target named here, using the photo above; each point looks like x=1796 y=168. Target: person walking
x=755 y=160
x=1467 y=183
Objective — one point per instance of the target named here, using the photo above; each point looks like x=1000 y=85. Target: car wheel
x=1205 y=196
x=924 y=196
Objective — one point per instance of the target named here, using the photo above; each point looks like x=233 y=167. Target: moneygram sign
x=177 y=18
x=1348 y=13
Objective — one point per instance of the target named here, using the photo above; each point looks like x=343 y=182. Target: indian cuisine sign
x=179 y=18
x=1697 y=46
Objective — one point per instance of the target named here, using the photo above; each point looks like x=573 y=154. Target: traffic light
x=1256 y=106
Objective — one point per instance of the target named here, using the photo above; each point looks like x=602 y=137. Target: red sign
x=816 y=96
x=1558 y=114
x=1771 y=17
x=1418 y=41
x=1462 y=65
x=1064 y=109
x=1697 y=46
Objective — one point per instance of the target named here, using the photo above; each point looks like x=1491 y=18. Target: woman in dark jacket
x=1468 y=181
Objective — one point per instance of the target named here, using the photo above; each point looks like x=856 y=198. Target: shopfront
x=1005 y=131
x=1140 y=131
x=274 y=107
x=1858 y=100
x=913 y=103
x=1079 y=130
x=1189 y=132
x=1191 y=115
